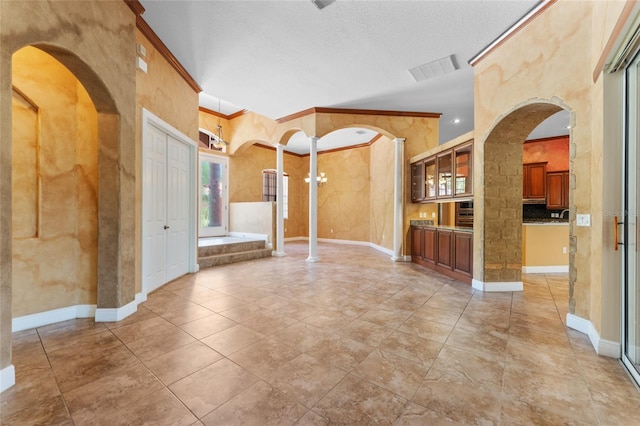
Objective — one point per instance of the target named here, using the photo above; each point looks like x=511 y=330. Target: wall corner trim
x=53 y=316
x=602 y=347
x=497 y=286
x=7 y=378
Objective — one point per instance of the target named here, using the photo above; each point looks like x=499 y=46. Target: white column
x=313 y=200
x=280 y=202
x=398 y=205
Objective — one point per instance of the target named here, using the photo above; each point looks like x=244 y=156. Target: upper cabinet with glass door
x=445 y=175
x=462 y=156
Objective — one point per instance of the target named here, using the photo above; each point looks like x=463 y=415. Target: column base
x=279 y=254
x=313 y=259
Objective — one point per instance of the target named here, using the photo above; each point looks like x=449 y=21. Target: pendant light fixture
x=217 y=141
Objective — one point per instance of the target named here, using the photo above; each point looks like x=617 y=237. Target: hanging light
x=217 y=141
x=320 y=180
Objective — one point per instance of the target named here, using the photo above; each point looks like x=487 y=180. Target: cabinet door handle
x=167 y=227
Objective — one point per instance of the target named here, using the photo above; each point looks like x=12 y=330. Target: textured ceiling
x=277 y=58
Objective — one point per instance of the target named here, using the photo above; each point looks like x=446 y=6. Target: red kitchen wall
x=555 y=151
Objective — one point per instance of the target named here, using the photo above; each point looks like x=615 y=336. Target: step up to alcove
x=226 y=250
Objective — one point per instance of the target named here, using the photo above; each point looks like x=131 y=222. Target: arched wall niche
x=107 y=71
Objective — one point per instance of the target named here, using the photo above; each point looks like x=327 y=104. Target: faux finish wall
x=55 y=205
x=245 y=183
x=551 y=61
x=96 y=41
x=381 y=192
x=343 y=200
x=162 y=91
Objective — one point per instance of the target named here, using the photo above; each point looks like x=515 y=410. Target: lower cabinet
x=447 y=251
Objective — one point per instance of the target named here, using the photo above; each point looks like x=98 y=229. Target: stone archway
x=498 y=197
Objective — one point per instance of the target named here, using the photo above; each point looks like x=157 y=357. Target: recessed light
x=568 y=126
x=456 y=121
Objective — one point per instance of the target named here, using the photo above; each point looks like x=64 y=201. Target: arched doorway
x=498 y=195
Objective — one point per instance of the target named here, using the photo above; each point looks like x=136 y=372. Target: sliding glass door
x=631 y=290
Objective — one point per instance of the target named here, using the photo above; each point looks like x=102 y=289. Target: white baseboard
x=290 y=239
x=51 y=317
x=545 y=269
x=499 y=286
x=602 y=347
x=118 y=314
x=7 y=378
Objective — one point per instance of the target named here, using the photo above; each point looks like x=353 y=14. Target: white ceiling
x=277 y=58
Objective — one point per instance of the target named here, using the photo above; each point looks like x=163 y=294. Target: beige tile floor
x=354 y=339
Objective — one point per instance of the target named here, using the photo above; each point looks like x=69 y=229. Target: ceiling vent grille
x=321 y=4
x=435 y=68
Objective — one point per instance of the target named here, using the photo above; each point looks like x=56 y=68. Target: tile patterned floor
x=354 y=339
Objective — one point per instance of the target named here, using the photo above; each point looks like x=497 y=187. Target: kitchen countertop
x=546 y=223
x=431 y=225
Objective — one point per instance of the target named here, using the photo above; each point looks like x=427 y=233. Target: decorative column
x=313 y=200
x=398 y=205
x=280 y=202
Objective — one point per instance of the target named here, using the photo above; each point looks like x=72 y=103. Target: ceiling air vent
x=321 y=4
x=435 y=68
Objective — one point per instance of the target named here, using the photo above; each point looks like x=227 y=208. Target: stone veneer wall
x=55 y=186
x=96 y=42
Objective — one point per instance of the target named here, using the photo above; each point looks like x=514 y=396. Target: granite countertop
x=429 y=223
x=545 y=223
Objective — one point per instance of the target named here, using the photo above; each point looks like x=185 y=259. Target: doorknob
x=166 y=227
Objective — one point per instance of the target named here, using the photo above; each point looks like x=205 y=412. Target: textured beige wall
x=55 y=256
x=542 y=245
x=162 y=91
x=552 y=60
x=96 y=42
x=381 y=193
x=343 y=200
x=245 y=183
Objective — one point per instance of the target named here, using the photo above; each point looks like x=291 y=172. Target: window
x=269 y=189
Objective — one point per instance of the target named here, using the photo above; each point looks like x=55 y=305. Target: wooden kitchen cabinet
x=429 y=245
x=417 y=181
x=445 y=175
x=445 y=250
x=534 y=180
x=463 y=253
x=558 y=190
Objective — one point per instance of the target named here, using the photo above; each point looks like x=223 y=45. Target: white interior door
x=214 y=195
x=177 y=208
x=155 y=209
x=168 y=208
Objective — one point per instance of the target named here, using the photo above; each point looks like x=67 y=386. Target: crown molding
x=320 y=110
x=226 y=117
x=511 y=31
x=135 y=6
x=138 y=9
